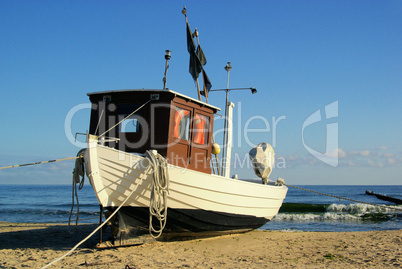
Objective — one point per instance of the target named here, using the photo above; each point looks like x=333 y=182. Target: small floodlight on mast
x=167 y=58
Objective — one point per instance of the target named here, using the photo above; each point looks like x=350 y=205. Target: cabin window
x=131 y=124
x=181 y=123
x=200 y=129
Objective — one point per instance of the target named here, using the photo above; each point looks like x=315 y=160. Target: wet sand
x=25 y=245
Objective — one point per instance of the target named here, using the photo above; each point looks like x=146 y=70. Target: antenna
x=228 y=67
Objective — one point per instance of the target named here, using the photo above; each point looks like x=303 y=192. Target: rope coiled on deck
x=159 y=192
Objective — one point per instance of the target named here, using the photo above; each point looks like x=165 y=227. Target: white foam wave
x=339 y=212
x=359 y=209
x=315 y=217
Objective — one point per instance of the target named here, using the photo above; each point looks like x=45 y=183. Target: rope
x=343 y=198
x=27 y=164
x=78 y=178
x=158 y=203
x=97 y=126
x=159 y=191
x=114 y=126
x=72 y=158
x=91 y=234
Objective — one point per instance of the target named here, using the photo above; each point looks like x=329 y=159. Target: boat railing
x=104 y=140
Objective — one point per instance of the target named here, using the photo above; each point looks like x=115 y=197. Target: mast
x=192 y=49
x=229 y=135
x=202 y=70
x=228 y=67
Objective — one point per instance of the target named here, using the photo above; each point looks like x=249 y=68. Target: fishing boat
x=152 y=161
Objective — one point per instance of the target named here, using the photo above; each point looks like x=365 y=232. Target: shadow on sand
x=48 y=236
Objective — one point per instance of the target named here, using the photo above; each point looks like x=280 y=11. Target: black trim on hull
x=134 y=221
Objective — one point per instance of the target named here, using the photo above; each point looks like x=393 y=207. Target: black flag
x=201 y=55
x=197 y=61
x=195 y=64
x=207 y=84
x=190 y=40
x=203 y=61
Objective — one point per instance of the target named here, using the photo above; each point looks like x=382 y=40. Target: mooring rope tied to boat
x=72 y=158
x=344 y=198
x=159 y=165
x=93 y=232
x=50 y=161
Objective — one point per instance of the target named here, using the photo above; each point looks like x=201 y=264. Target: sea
x=301 y=211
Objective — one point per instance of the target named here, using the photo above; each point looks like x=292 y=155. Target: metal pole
x=100 y=223
x=225 y=133
x=228 y=67
x=229 y=132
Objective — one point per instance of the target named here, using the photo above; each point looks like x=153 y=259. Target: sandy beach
x=26 y=245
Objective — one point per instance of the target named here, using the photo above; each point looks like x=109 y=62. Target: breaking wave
x=337 y=212
x=361 y=208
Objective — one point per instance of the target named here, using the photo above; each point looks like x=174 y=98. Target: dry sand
x=35 y=245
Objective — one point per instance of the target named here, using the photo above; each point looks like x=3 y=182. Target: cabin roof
x=156 y=91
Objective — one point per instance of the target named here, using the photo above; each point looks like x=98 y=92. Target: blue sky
x=301 y=56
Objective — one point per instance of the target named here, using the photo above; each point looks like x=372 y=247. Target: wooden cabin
x=178 y=127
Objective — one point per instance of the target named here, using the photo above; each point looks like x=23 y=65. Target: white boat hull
x=197 y=202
